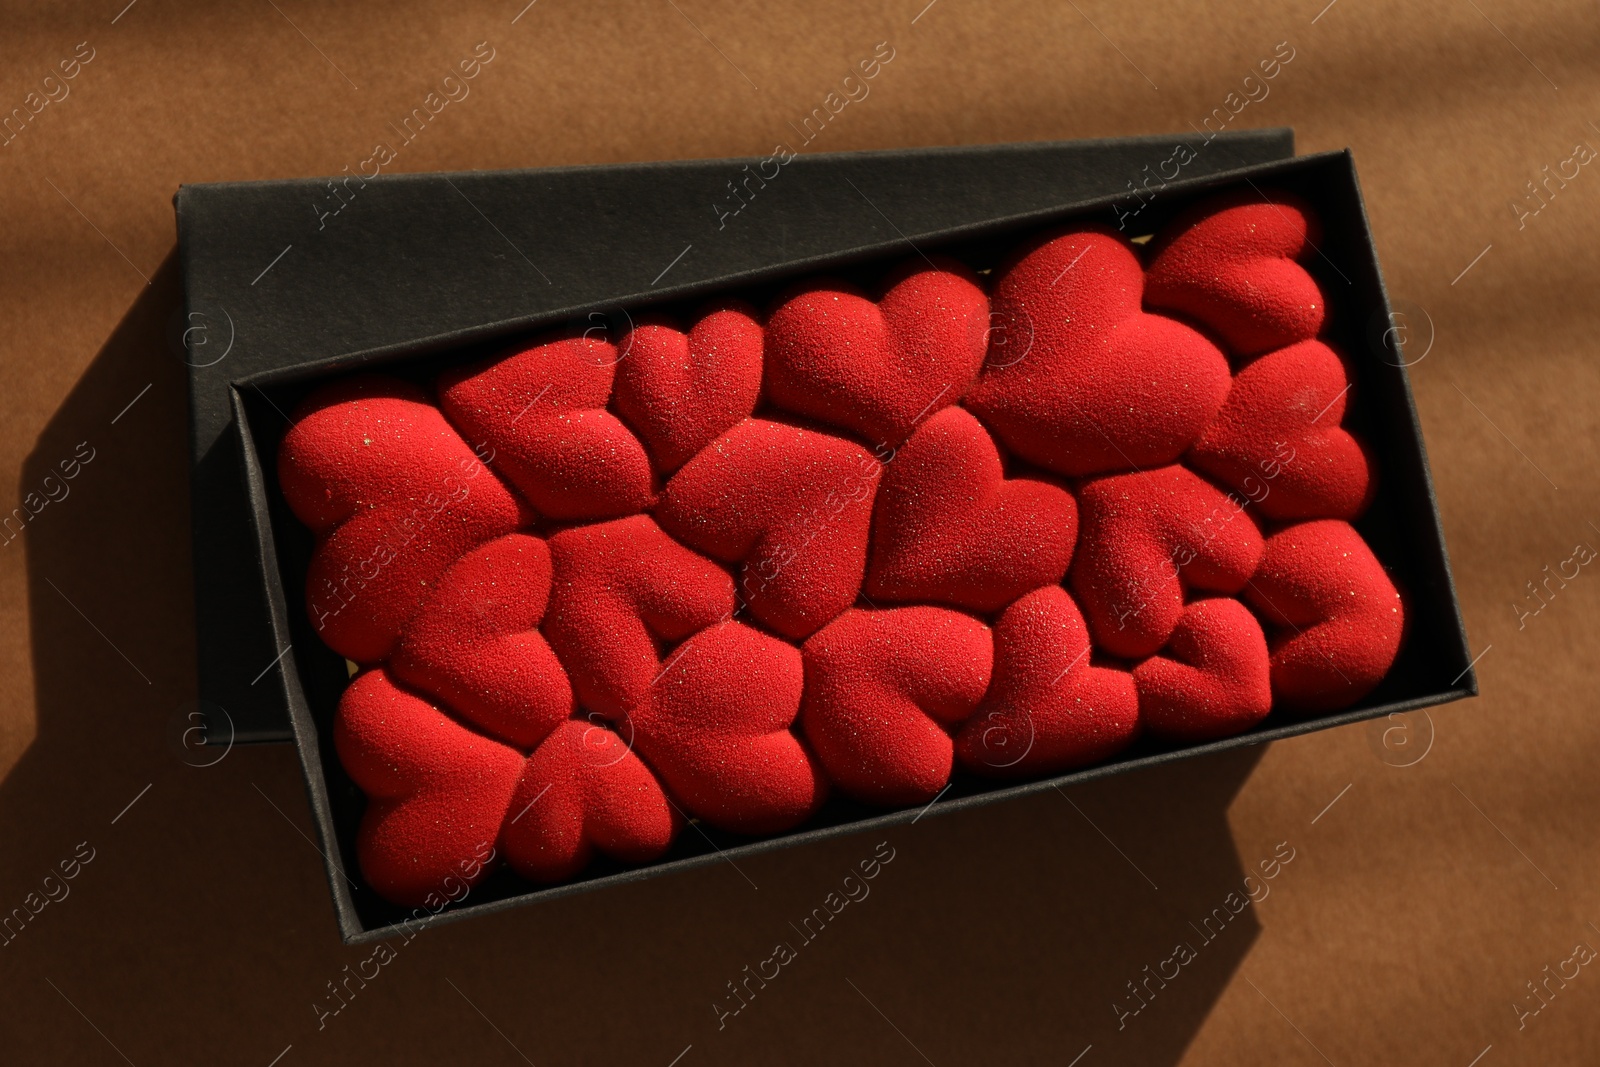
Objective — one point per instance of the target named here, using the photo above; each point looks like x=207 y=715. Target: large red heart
x=877 y=368
x=1145 y=538
x=584 y=791
x=948 y=527
x=542 y=410
x=681 y=391
x=1048 y=709
x=1212 y=679
x=717 y=730
x=793 y=505
x=1278 y=440
x=1340 y=618
x=1102 y=385
x=1230 y=263
x=624 y=590
x=436 y=792
x=394 y=496
x=883 y=688
x=477 y=647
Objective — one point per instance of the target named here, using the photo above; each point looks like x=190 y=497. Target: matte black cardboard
x=300 y=273
x=1402 y=526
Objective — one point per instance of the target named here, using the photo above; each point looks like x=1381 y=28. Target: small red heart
x=584 y=791
x=436 y=792
x=542 y=410
x=477 y=647
x=1101 y=386
x=793 y=505
x=950 y=528
x=717 y=729
x=623 y=591
x=394 y=496
x=883 y=688
x=681 y=391
x=1340 y=617
x=1212 y=680
x=1048 y=709
x=1230 y=263
x=877 y=368
x=1147 y=537
x=1278 y=440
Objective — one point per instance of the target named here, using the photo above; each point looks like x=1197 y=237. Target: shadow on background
x=201 y=930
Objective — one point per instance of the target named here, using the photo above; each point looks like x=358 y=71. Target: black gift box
x=1402 y=525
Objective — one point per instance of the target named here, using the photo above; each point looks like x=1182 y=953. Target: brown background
x=1416 y=908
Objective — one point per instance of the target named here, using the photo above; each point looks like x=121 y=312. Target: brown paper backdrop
x=1416 y=909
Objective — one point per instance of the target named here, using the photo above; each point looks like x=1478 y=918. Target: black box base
x=1402 y=527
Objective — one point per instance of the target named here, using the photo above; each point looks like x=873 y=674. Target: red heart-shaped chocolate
x=1048 y=709
x=394 y=496
x=949 y=527
x=1080 y=380
x=584 y=791
x=623 y=591
x=681 y=391
x=877 y=368
x=476 y=644
x=542 y=410
x=1212 y=680
x=1230 y=263
x=716 y=727
x=1339 y=616
x=1278 y=440
x=1147 y=537
x=793 y=505
x=883 y=688
x=436 y=792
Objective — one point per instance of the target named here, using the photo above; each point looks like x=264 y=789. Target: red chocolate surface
x=1278 y=441
x=742 y=563
x=716 y=726
x=1049 y=708
x=1234 y=263
x=1087 y=381
x=542 y=412
x=1212 y=679
x=436 y=791
x=624 y=590
x=476 y=644
x=883 y=690
x=585 y=791
x=951 y=529
x=394 y=496
x=1148 y=539
x=792 y=507
x=878 y=368
x=682 y=390
x=1338 y=619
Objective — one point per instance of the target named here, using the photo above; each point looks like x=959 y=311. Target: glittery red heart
x=879 y=367
x=1085 y=380
x=394 y=496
